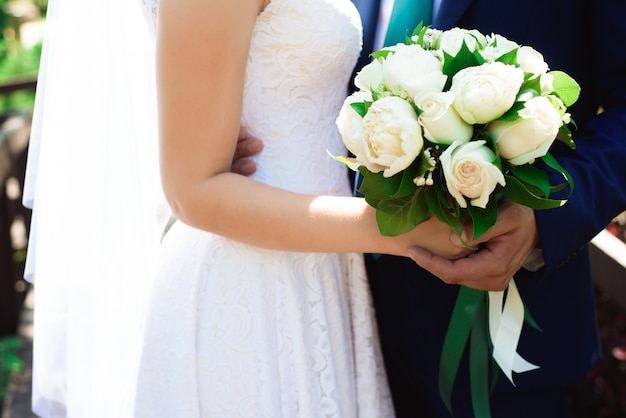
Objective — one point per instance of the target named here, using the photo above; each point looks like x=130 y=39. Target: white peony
x=485 y=92
x=350 y=123
x=392 y=136
x=410 y=70
x=530 y=137
x=469 y=172
x=440 y=122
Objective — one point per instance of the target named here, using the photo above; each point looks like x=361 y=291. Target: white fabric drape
x=92 y=182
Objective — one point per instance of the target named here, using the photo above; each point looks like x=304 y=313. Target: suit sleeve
x=598 y=165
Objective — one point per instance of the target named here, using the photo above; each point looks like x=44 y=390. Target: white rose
x=411 y=70
x=469 y=171
x=350 y=123
x=531 y=61
x=370 y=76
x=441 y=123
x=392 y=136
x=485 y=92
x=529 y=137
x=452 y=39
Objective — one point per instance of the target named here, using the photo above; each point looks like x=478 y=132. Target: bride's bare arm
x=201 y=69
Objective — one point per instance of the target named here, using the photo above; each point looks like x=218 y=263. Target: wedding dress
x=236 y=330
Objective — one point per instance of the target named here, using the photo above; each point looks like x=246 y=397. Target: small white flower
x=431 y=38
x=497 y=45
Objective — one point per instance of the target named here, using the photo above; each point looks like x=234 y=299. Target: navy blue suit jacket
x=585 y=39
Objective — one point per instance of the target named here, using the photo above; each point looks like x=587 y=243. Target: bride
x=256 y=301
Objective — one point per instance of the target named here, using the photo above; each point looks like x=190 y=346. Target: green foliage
x=24 y=62
x=10 y=362
x=565 y=87
x=463 y=59
x=361 y=107
x=17 y=63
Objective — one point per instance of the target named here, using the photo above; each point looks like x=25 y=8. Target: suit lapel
x=449 y=13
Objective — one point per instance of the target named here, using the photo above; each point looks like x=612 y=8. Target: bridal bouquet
x=446 y=125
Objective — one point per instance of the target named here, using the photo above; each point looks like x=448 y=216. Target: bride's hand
x=247 y=146
x=437 y=238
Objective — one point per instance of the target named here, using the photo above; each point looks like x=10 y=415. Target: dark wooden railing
x=14 y=136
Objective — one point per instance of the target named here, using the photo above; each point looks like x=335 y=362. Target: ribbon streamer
x=484 y=320
x=505 y=327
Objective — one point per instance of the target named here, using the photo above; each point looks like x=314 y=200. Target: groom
x=582 y=38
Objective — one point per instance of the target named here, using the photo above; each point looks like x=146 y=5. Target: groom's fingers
x=247 y=146
x=479 y=270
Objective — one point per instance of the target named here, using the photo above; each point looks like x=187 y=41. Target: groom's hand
x=247 y=146
x=503 y=250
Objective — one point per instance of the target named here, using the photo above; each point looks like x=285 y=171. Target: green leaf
x=565 y=87
x=352 y=163
x=509 y=58
x=360 y=107
x=419 y=211
x=407 y=185
x=483 y=219
x=437 y=199
x=554 y=164
x=512 y=114
x=517 y=192
x=533 y=176
x=381 y=54
x=531 y=85
x=565 y=136
x=379 y=187
x=393 y=216
x=420 y=32
x=463 y=59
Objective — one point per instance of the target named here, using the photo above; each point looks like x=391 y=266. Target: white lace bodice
x=301 y=57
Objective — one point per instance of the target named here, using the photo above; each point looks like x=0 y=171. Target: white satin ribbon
x=505 y=327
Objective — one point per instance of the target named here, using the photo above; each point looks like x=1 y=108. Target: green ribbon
x=468 y=323
x=479 y=359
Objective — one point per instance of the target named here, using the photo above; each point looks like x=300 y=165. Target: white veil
x=98 y=213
